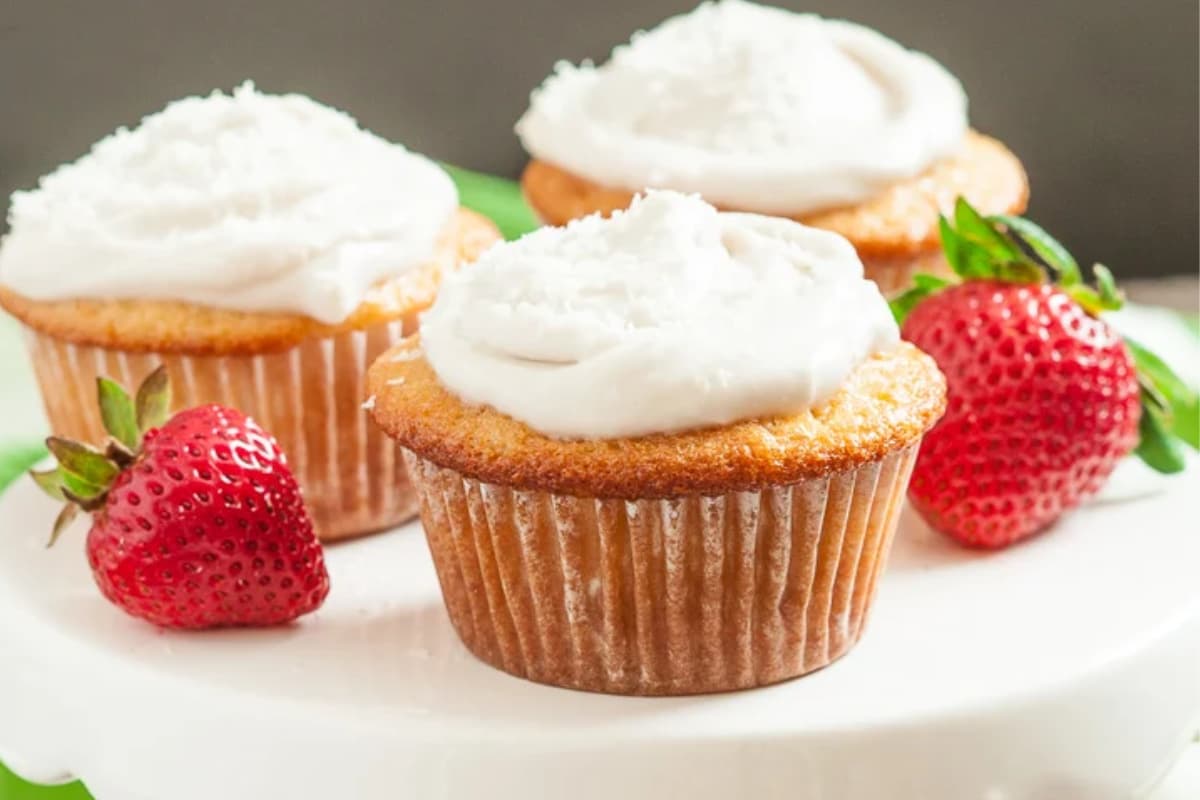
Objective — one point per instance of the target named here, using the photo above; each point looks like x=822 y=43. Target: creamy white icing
x=666 y=317
x=753 y=107
x=248 y=201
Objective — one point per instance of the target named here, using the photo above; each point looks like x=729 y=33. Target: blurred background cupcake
x=662 y=453
x=265 y=249
x=760 y=109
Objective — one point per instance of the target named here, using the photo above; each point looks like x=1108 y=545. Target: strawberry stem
x=119 y=454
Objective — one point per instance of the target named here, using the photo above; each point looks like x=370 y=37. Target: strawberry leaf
x=984 y=233
x=74 y=486
x=1045 y=247
x=1087 y=297
x=88 y=504
x=65 y=517
x=1185 y=422
x=49 y=481
x=951 y=245
x=1112 y=297
x=979 y=248
x=1177 y=404
x=153 y=400
x=1019 y=272
x=923 y=286
x=967 y=258
x=1157 y=447
x=116 y=412
x=931 y=283
x=78 y=460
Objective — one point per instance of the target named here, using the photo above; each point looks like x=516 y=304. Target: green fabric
x=494 y=197
x=15 y=458
x=13 y=788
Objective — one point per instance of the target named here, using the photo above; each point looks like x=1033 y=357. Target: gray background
x=1098 y=97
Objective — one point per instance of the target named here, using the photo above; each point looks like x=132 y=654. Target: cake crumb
x=367 y=406
x=395 y=381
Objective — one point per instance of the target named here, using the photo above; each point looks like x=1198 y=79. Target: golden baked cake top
x=219 y=222
x=887 y=404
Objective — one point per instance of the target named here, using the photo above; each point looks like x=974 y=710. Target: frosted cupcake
x=760 y=109
x=662 y=453
x=266 y=250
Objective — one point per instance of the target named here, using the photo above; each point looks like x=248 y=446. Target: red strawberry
x=1044 y=397
x=1043 y=402
x=198 y=522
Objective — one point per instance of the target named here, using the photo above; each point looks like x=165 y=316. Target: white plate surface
x=1067 y=668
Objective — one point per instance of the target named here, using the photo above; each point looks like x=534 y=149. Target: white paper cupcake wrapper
x=309 y=397
x=664 y=596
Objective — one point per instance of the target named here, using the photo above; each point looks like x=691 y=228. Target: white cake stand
x=1067 y=668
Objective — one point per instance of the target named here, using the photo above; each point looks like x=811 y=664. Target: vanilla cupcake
x=760 y=109
x=661 y=453
x=266 y=250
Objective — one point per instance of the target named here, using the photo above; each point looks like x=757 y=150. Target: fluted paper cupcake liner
x=309 y=397
x=661 y=596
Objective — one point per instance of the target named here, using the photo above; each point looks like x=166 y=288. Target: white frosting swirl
x=666 y=317
x=754 y=108
x=249 y=202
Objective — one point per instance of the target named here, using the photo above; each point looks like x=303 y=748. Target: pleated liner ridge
x=658 y=597
x=309 y=397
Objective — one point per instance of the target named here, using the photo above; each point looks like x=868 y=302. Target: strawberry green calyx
x=153 y=401
x=1170 y=412
x=1013 y=249
x=116 y=411
x=85 y=473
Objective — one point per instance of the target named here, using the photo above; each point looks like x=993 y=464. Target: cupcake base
x=672 y=596
x=308 y=396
